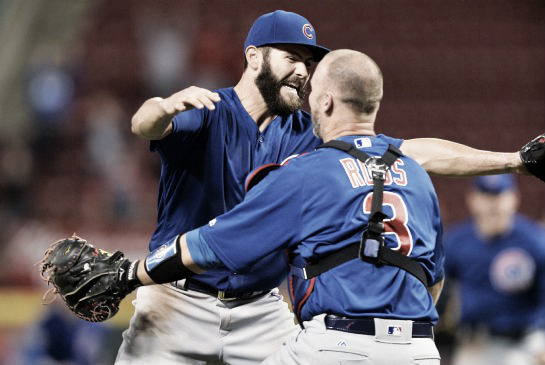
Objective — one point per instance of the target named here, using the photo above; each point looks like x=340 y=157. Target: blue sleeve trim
x=200 y=251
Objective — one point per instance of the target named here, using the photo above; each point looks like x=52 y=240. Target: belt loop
x=223 y=298
x=300 y=272
x=180 y=284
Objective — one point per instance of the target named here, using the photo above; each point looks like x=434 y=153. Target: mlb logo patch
x=362 y=142
x=395 y=330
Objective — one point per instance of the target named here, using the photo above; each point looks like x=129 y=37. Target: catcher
x=92 y=282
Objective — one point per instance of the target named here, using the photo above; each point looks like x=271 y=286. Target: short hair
x=361 y=89
x=266 y=51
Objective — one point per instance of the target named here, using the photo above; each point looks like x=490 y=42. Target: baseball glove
x=92 y=282
x=533 y=156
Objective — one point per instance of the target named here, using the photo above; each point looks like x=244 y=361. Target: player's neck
x=347 y=126
x=253 y=102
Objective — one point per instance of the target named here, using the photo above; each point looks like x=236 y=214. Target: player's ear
x=253 y=57
x=327 y=103
x=377 y=108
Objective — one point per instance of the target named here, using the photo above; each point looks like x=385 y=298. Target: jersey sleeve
x=266 y=221
x=396 y=142
x=186 y=127
x=200 y=253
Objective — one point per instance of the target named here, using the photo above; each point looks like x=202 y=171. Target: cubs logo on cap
x=308 y=31
x=284 y=27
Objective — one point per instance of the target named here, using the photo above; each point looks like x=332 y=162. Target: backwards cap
x=283 y=27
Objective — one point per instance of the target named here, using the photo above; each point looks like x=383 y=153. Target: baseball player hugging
x=358 y=217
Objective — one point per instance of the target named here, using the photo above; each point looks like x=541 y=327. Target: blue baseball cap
x=284 y=27
x=495 y=184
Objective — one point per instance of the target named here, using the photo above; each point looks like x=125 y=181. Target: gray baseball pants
x=172 y=326
x=318 y=345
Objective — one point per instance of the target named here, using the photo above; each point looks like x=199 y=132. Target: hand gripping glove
x=532 y=155
x=92 y=282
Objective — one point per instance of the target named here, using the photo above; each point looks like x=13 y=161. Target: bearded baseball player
x=208 y=143
x=360 y=308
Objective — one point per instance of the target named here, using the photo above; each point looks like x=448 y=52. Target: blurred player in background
x=208 y=143
x=497 y=260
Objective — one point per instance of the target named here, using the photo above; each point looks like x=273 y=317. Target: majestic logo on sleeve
x=512 y=270
x=308 y=31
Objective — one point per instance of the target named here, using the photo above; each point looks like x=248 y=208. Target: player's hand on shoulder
x=189 y=98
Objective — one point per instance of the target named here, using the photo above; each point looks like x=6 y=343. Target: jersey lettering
x=352 y=172
x=366 y=176
x=401 y=179
x=397 y=225
x=359 y=176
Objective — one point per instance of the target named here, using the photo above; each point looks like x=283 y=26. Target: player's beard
x=269 y=86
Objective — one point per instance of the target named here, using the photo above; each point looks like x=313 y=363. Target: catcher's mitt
x=533 y=156
x=92 y=282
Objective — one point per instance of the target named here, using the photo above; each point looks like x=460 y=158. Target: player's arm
x=446 y=158
x=93 y=282
x=220 y=244
x=179 y=265
x=153 y=120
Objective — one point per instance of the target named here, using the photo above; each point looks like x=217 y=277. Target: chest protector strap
x=371 y=247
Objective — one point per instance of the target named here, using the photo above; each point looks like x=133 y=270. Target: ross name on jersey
x=360 y=176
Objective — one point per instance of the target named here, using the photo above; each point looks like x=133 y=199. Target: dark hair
x=266 y=51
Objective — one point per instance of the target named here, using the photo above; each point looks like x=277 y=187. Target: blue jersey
x=501 y=279
x=319 y=203
x=205 y=161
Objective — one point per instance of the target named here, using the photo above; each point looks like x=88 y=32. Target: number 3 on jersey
x=397 y=224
